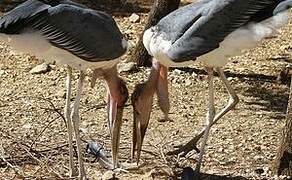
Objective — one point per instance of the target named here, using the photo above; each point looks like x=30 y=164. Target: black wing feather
x=15 y=20
x=88 y=34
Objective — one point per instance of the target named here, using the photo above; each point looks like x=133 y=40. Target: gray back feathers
x=91 y=35
x=198 y=28
x=13 y=21
x=88 y=34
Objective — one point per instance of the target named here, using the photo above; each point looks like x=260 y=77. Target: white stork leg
x=233 y=100
x=72 y=170
x=76 y=122
x=209 y=118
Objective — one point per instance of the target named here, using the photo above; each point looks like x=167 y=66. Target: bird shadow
x=244 y=77
x=268 y=99
x=189 y=174
x=205 y=176
x=261 y=87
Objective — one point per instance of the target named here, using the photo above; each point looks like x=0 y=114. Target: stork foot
x=183 y=150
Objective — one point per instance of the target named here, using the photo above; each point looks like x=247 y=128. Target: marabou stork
x=208 y=31
x=78 y=37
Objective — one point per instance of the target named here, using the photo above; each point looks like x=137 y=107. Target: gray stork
x=207 y=31
x=78 y=37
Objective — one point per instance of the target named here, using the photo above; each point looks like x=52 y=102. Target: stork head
x=115 y=110
x=116 y=100
x=142 y=99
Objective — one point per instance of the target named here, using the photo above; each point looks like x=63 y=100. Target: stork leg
x=209 y=118
x=72 y=170
x=233 y=100
x=76 y=121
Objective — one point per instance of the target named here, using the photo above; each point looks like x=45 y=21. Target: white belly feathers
x=34 y=43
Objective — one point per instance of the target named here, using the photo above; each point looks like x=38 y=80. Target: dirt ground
x=33 y=138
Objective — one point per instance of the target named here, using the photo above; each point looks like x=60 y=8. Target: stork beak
x=142 y=105
x=116 y=100
x=142 y=99
x=116 y=104
x=115 y=114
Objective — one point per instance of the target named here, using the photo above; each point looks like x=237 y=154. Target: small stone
x=83 y=130
x=26 y=126
x=230 y=78
x=177 y=71
x=134 y=18
x=126 y=67
x=188 y=82
x=61 y=94
x=2 y=72
x=39 y=69
x=194 y=74
x=109 y=175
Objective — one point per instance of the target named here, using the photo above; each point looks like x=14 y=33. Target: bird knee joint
x=75 y=117
x=233 y=101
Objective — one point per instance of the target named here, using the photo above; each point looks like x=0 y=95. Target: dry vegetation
x=241 y=146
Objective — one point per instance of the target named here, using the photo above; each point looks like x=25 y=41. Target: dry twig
x=16 y=171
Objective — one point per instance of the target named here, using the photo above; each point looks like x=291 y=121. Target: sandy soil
x=241 y=146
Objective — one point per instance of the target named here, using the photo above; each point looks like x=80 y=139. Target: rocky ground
x=241 y=146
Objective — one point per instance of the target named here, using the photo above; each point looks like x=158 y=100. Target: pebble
x=188 y=82
x=134 y=18
x=177 y=71
x=230 y=78
x=2 y=72
x=61 y=94
x=39 y=69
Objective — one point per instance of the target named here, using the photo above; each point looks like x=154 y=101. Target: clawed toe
x=183 y=150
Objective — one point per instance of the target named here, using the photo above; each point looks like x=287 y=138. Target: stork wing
x=13 y=21
x=283 y=6
x=88 y=34
x=199 y=28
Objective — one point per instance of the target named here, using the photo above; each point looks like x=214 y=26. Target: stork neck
x=115 y=85
x=151 y=84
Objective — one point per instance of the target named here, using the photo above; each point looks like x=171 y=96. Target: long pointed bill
x=115 y=115
x=117 y=98
x=141 y=121
x=142 y=99
x=162 y=92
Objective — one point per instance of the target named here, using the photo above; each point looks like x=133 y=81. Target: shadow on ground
x=189 y=174
x=261 y=87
